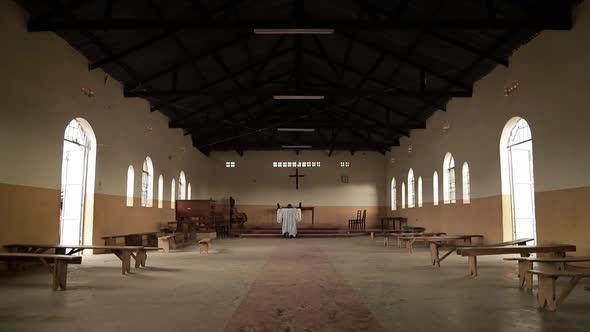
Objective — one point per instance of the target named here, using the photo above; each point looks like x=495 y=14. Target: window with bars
x=411 y=189
x=230 y=164
x=393 y=195
x=130 y=180
x=181 y=186
x=449 y=188
x=344 y=164
x=419 y=191
x=403 y=195
x=172 y=194
x=466 y=184
x=435 y=188
x=147 y=184
x=296 y=164
x=160 y=191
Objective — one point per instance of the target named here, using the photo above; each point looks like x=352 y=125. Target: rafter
x=327 y=92
x=557 y=21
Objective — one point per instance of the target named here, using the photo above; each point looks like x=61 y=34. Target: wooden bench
x=547 y=296
x=204 y=245
x=437 y=242
x=407 y=240
x=124 y=253
x=525 y=279
x=403 y=237
x=557 y=250
x=132 y=239
x=171 y=241
x=57 y=264
x=167 y=242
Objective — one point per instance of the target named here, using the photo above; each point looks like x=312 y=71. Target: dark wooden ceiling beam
x=247 y=68
x=389 y=109
x=188 y=60
x=406 y=60
x=385 y=84
x=332 y=92
x=376 y=11
x=557 y=21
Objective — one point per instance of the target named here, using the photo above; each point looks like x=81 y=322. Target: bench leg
x=125 y=262
x=434 y=255
x=386 y=241
x=125 y=257
x=525 y=279
x=140 y=258
x=567 y=290
x=546 y=293
x=472 y=266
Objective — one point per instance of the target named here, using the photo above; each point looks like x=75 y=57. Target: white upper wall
x=40 y=93
x=254 y=180
x=553 y=72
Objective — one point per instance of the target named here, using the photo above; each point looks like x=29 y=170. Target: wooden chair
x=363 y=221
x=352 y=222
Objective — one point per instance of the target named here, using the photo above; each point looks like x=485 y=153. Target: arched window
x=189 y=192
x=147 y=183
x=419 y=191
x=182 y=186
x=466 y=184
x=130 y=175
x=393 y=195
x=435 y=188
x=403 y=195
x=449 y=189
x=160 y=191
x=172 y=194
x=411 y=189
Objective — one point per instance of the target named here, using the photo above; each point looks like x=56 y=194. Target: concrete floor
x=386 y=289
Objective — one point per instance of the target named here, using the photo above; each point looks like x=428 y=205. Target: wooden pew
x=147 y=239
x=557 y=250
x=57 y=264
x=437 y=242
x=547 y=296
x=525 y=279
x=407 y=240
x=124 y=253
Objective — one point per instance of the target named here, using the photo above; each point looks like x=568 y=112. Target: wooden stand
x=547 y=296
x=204 y=245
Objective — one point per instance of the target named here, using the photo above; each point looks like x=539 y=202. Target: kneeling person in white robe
x=288 y=218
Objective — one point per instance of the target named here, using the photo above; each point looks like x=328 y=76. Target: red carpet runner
x=299 y=290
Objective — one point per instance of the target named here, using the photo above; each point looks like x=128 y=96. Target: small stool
x=204 y=244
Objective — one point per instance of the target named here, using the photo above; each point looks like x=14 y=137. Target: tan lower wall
x=325 y=216
x=564 y=216
x=481 y=216
x=31 y=215
x=112 y=216
x=28 y=214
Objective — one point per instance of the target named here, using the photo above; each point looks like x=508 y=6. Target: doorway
x=518 y=147
x=77 y=144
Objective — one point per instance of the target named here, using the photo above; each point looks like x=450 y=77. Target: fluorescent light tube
x=295 y=31
x=293 y=97
x=296 y=146
x=296 y=129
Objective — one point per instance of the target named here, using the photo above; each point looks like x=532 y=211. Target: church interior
x=294 y=165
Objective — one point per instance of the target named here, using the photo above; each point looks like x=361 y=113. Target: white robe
x=288 y=218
